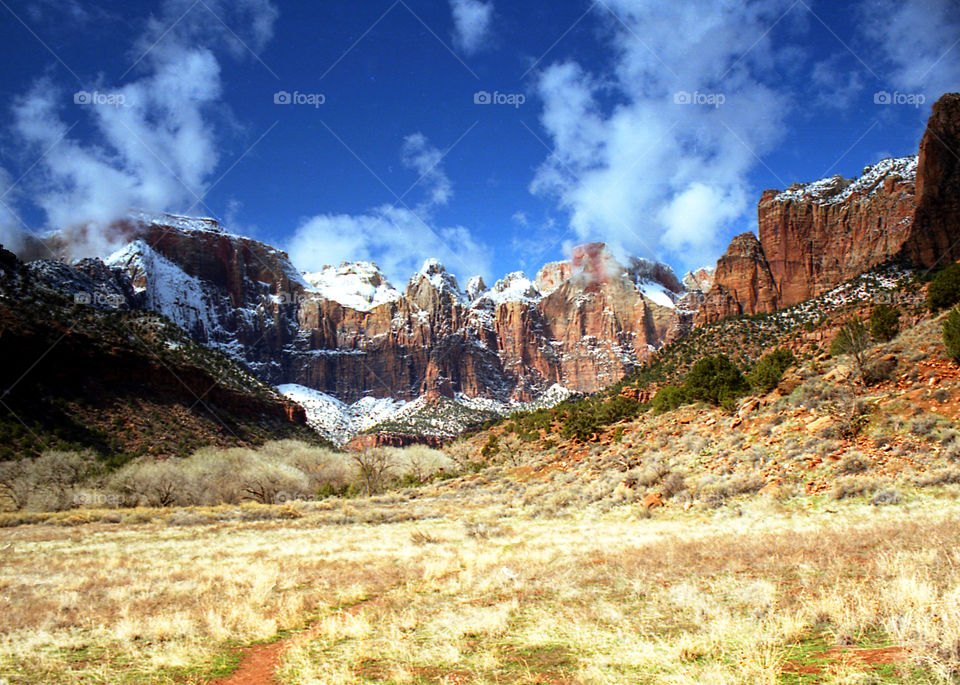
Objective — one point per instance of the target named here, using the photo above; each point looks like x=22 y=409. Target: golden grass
x=723 y=597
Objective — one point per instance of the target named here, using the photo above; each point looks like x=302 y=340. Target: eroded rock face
x=813 y=237
x=822 y=234
x=742 y=283
x=818 y=235
x=936 y=226
x=345 y=331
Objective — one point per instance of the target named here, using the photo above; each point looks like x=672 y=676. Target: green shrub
x=617 y=409
x=669 y=397
x=951 y=335
x=884 y=322
x=581 y=425
x=767 y=372
x=944 y=288
x=715 y=380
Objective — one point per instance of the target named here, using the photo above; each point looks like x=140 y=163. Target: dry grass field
x=382 y=590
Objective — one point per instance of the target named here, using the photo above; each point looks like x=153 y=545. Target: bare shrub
x=652 y=473
x=924 y=426
x=885 y=497
x=673 y=484
x=16 y=483
x=273 y=482
x=947 y=476
x=853 y=486
x=375 y=465
x=154 y=483
x=853 y=462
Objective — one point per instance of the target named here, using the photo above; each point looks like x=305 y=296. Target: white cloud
x=650 y=176
x=836 y=87
x=425 y=159
x=396 y=237
x=156 y=147
x=918 y=41
x=472 y=20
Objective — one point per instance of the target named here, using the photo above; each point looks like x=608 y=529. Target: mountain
x=354 y=349
x=347 y=332
x=94 y=370
x=815 y=236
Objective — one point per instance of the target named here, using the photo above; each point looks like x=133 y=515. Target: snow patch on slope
x=359 y=285
x=337 y=420
x=836 y=189
x=167 y=289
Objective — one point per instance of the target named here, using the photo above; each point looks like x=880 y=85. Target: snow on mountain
x=441 y=279
x=657 y=294
x=337 y=420
x=514 y=287
x=358 y=285
x=167 y=289
x=182 y=223
x=475 y=288
x=440 y=417
x=700 y=280
x=837 y=189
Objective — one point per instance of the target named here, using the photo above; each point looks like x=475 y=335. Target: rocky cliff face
x=816 y=236
x=742 y=283
x=345 y=331
x=936 y=226
x=819 y=235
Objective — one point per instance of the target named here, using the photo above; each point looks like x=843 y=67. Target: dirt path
x=259 y=663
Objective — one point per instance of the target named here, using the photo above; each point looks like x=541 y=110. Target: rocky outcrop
x=815 y=236
x=742 y=283
x=819 y=235
x=345 y=331
x=935 y=237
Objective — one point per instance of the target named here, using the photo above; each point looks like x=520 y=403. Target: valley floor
x=804 y=590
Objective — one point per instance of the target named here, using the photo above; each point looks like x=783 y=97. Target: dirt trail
x=259 y=663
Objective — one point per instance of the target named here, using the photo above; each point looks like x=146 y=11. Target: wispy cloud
x=664 y=172
x=472 y=21
x=398 y=238
x=152 y=141
x=919 y=41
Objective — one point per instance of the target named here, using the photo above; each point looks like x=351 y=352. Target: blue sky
x=386 y=155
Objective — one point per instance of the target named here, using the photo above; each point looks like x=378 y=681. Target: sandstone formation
x=345 y=331
x=816 y=236
x=743 y=283
x=936 y=226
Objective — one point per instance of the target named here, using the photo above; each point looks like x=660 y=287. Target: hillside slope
x=92 y=372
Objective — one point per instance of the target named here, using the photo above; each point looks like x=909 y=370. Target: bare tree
x=854 y=339
x=16 y=482
x=375 y=466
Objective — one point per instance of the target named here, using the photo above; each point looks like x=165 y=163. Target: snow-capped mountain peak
x=357 y=285
x=514 y=287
